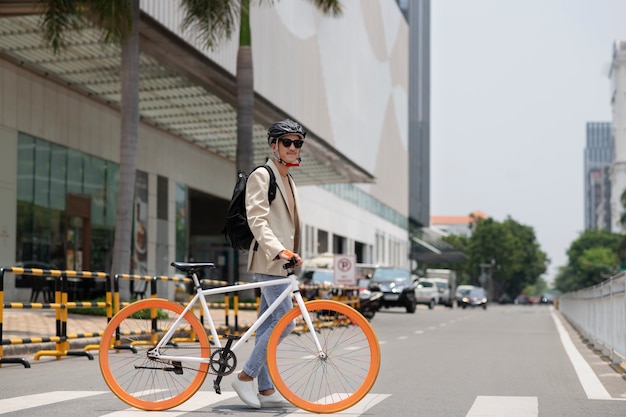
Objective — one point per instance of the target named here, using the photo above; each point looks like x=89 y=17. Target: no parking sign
x=345 y=270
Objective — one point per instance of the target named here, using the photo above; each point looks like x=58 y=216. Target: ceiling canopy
x=181 y=91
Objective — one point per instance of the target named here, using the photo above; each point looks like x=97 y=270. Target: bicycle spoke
x=134 y=374
x=336 y=380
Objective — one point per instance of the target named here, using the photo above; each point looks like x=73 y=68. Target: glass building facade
x=66 y=204
x=598 y=158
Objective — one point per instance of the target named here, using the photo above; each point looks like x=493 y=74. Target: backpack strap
x=271 y=193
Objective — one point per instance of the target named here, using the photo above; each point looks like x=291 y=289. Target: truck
x=446 y=284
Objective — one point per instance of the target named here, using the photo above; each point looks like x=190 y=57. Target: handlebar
x=291 y=264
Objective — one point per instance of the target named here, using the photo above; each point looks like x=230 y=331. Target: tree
x=119 y=21
x=508 y=253
x=505 y=254
x=529 y=261
x=565 y=280
x=592 y=257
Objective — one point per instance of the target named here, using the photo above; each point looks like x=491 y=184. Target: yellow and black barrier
x=344 y=294
x=347 y=295
x=61 y=306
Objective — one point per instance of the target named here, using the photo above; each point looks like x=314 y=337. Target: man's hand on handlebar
x=289 y=256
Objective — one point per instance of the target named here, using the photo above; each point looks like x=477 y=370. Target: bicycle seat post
x=194 y=278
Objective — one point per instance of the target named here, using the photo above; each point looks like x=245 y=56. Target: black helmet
x=282 y=128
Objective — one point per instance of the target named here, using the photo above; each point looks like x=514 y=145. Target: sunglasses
x=287 y=143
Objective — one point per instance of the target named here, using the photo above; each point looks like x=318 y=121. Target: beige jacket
x=274 y=227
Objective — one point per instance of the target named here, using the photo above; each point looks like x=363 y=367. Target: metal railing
x=599 y=314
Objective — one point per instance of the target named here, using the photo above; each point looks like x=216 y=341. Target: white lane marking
x=369 y=401
x=588 y=379
x=486 y=406
x=199 y=400
x=10 y=405
x=419 y=331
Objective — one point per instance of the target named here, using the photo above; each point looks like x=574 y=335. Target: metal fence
x=599 y=314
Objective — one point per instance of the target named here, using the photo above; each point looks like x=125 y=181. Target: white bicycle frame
x=201 y=297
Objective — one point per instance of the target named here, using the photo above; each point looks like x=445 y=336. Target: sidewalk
x=41 y=323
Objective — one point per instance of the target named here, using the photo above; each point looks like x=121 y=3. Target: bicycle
x=155 y=354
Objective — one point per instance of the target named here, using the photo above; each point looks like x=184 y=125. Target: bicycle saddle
x=192 y=266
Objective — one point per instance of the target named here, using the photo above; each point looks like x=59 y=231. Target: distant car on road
x=461 y=290
x=427 y=292
x=397 y=287
x=445 y=293
x=476 y=297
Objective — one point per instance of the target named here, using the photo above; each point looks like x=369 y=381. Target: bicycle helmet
x=282 y=128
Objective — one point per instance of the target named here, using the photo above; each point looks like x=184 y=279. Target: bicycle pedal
x=233 y=337
x=178 y=367
x=216 y=387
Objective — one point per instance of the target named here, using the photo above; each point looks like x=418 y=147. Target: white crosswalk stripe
x=365 y=404
x=11 y=405
x=485 y=406
x=199 y=400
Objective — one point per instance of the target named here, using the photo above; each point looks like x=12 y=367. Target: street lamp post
x=486 y=272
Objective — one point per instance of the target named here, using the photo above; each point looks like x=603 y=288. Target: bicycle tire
x=327 y=385
x=142 y=382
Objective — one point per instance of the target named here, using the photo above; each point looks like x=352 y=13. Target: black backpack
x=236 y=230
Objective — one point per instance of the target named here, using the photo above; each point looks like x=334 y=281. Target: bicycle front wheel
x=138 y=378
x=331 y=380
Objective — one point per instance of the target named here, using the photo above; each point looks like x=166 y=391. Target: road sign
x=345 y=270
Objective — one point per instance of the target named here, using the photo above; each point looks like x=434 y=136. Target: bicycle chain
x=209 y=372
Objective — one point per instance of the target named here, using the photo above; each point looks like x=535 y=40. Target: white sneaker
x=273 y=400
x=246 y=392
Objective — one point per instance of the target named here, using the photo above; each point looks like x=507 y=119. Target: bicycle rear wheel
x=144 y=382
x=324 y=384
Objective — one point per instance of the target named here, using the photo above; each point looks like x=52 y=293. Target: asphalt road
x=506 y=361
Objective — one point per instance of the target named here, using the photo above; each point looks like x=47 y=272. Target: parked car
x=397 y=287
x=476 y=297
x=461 y=290
x=319 y=283
x=427 y=292
x=443 y=286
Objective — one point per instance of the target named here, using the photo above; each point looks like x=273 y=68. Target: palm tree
x=245 y=74
x=119 y=21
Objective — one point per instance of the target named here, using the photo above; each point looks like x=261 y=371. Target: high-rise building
x=617 y=172
x=598 y=157
x=419 y=112
x=426 y=243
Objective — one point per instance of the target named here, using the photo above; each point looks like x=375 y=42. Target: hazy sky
x=513 y=84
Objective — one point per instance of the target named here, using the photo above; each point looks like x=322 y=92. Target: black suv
x=397 y=287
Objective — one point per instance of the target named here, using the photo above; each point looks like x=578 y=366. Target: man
x=276 y=230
